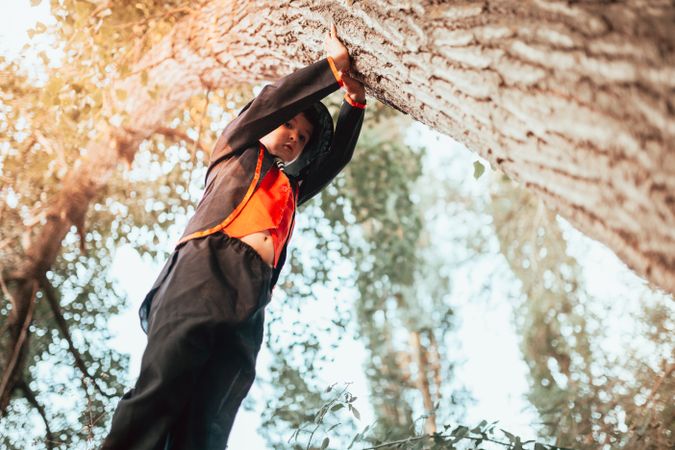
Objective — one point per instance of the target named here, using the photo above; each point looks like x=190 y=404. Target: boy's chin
x=281 y=155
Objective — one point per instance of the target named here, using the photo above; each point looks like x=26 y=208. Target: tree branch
x=7 y=294
x=32 y=399
x=666 y=373
x=51 y=295
x=179 y=135
x=447 y=438
x=6 y=386
x=197 y=141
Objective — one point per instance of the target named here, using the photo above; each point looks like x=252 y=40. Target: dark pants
x=205 y=319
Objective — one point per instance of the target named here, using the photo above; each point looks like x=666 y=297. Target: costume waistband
x=246 y=249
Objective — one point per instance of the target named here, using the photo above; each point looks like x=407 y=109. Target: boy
x=204 y=314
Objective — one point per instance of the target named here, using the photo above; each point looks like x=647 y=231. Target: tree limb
x=7 y=386
x=51 y=295
x=176 y=134
x=32 y=399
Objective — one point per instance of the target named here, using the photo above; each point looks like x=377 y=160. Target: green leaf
x=460 y=431
x=124 y=70
x=478 y=169
x=325 y=442
x=337 y=407
x=52 y=89
x=44 y=58
x=355 y=412
x=354 y=439
x=511 y=437
x=478 y=428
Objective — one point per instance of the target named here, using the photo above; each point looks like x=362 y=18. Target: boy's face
x=288 y=140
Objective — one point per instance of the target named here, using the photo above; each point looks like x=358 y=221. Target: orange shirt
x=271 y=208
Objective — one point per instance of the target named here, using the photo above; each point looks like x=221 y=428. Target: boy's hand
x=336 y=50
x=355 y=88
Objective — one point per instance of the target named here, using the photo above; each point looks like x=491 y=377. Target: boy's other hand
x=336 y=50
x=355 y=88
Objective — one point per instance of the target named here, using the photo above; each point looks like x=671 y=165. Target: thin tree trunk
x=573 y=100
x=422 y=380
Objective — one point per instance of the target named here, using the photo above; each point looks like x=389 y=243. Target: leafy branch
x=483 y=432
x=341 y=400
x=446 y=439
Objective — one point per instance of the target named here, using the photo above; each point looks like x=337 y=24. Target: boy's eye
x=287 y=124
x=302 y=138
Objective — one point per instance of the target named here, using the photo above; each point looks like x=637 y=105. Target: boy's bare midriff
x=261 y=242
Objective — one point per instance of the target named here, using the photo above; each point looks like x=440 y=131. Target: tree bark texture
x=574 y=100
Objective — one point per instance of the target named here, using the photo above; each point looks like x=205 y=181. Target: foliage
x=450 y=438
x=365 y=220
x=587 y=399
x=46 y=119
x=370 y=242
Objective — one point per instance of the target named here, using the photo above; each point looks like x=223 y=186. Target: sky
x=16 y=19
x=493 y=369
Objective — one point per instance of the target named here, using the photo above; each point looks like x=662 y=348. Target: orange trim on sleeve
x=354 y=103
x=237 y=210
x=336 y=73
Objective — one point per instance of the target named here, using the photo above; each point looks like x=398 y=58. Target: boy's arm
x=275 y=104
x=347 y=130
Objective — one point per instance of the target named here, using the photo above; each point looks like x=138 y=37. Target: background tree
x=587 y=397
x=367 y=220
x=210 y=45
x=61 y=334
x=511 y=80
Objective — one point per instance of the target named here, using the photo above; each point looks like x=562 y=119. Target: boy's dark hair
x=319 y=143
x=312 y=116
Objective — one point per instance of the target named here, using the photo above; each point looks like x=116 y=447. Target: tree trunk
x=424 y=370
x=575 y=101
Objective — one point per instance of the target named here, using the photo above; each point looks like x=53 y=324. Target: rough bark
x=574 y=100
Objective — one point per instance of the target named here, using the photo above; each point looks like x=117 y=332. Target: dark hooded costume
x=204 y=315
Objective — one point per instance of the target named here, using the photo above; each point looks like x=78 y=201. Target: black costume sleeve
x=276 y=103
x=322 y=172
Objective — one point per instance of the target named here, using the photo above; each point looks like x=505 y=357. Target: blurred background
x=424 y=290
